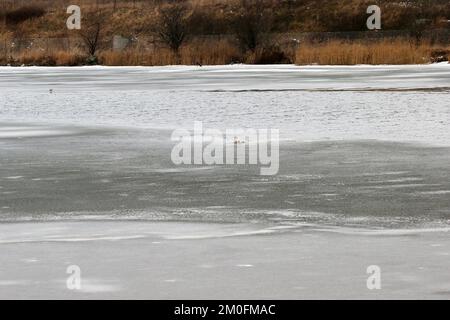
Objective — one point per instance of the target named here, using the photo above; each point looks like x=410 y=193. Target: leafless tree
x=171 y=25
x=91 y=32
x=251 y=24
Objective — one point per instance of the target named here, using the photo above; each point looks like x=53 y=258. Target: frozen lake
x=360 y=144
x=364 y=162
x=394 y=103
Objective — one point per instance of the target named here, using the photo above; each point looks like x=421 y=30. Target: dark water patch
x=131 y=171
x=418 y=89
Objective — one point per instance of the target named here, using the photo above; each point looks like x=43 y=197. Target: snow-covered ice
x=395 y=103
x=86 y=179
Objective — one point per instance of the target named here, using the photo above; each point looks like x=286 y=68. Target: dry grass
x=218 y=52
x=205 y=53
x=41 y=58
x=400 y=51
x=63 y=58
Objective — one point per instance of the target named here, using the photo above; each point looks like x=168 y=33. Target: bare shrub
x=251 y=24
x=91 y=33
x=171 y=25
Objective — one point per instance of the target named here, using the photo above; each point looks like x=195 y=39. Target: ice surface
x=86 y=179
x=395 y=103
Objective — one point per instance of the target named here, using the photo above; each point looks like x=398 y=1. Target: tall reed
x=398 y=51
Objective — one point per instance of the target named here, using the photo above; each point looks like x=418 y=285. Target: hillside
x=214 y=17
x=234 y=29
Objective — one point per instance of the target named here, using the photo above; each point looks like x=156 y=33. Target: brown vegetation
x=39 y=58
x=92 y=32
x=219 y=32
x=217 y=16
x=399 y=51
x=199 y=53
x=171 y=25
